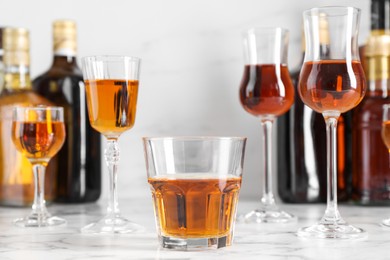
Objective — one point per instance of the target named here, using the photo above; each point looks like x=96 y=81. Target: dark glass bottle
x=301 y=154
x=371 y=171
x=79 y=166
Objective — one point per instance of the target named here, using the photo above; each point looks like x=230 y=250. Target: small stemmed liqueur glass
x=386 y=126
x=111 y=84
x=266 y=92
x=386 y=141
x=331 y=82
x=38 y=133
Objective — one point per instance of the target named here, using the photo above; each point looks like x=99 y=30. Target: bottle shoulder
x=370 y=109
x=56 y=73
x=372 y=102
x=22 y=97
x=55 y=80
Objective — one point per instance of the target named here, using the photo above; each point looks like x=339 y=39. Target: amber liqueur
x=386 y=135
x=266 y=89
x=16 y=176
x=113 y=104
x=79 y=160
x=371 y=168
x=338 y=85
x=195 y=207
x=38 y=141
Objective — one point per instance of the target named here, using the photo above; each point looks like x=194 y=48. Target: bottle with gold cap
x=1 y=60
x=16 y=176
x=301 y=154
x=79 y=160
x=371 y=171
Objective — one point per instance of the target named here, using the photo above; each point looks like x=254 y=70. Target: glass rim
x=111 y=58
x=386 y=106
x=255 y=30
x=315 y=11
x=39 y=108
x=194 y=138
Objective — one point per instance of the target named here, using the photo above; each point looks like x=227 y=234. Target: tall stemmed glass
x=386 y=126
x=386 y=141
x=111 y=84
x=266 y=92
x=38 y=133
x=331 y=82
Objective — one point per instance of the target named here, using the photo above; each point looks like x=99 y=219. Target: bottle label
x=378 y=68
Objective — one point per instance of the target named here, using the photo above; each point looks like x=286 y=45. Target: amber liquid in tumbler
x=266 y=89
x=38 y=141
x=112 y=105
x=195 y=208
x=332 y=85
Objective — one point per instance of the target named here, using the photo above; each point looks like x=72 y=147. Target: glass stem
x=39 y=205
x=112 y=160
x=268 y=197
x=332 y=214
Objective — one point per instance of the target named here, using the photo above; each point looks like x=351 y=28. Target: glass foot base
x=193 y=244
x=113 y=225
x=332 y=230
x=386 y=222
x=268 y=216
x=38 y=220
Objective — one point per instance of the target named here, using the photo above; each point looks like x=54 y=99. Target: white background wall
x=191 y=63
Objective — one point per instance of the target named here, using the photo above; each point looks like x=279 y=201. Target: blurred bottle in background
x=1 y=60
x=79 y=160
x=16 y=176
x=371 y=171
x=301 y=142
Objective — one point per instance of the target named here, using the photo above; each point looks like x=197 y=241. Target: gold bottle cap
x=377 y=56
x=16 y=45
x=378 y=45
x=323 y=32
x=64 y=37
x=324 y=29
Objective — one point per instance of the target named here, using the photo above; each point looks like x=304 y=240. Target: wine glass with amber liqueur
x=38 y=133
x=331 y=82
x=386 y=141
x=266 y=91
x=111 y=84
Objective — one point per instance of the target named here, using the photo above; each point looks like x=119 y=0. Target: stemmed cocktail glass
x=386 y=141
x=331 y=82
x=266 y=92
x=111 y=83
x=39 y=133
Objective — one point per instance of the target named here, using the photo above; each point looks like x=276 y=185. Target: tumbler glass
x=195 y=182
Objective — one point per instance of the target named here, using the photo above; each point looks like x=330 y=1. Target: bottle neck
x=64 y=61
x=377 y=63
x=380 y=15
x=378 y=75
x=17 y=77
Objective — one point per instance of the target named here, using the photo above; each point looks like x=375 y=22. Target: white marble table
x=260 y=241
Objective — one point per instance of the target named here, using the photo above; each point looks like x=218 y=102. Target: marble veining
x=252 y=241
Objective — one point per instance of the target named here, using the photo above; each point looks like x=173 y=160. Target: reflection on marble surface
x=252 y=241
